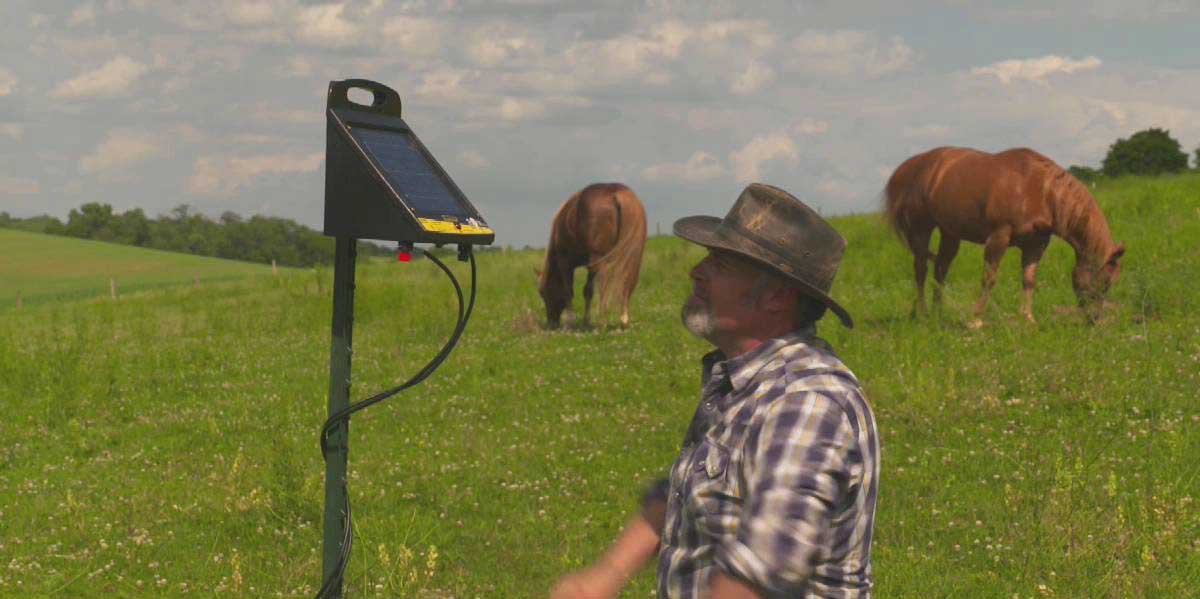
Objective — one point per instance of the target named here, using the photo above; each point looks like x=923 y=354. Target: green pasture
x=41 y=268
x=165 y=444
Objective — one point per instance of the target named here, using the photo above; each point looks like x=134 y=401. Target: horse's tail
x=618 y=269
x=904 y=198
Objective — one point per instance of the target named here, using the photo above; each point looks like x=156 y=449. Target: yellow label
x=442 y=226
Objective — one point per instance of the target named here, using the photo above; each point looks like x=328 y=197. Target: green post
x=339 y=398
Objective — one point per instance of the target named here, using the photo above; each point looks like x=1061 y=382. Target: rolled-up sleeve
x=796 y=474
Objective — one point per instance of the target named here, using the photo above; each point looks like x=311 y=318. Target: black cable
x=343 y=415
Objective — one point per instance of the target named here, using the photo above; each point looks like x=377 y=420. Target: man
x=773 y=493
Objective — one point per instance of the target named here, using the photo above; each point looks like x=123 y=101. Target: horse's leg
x=1031 y=254
x=628 y=291
x=588 y=288
x=918 y=242
x=568 y=276
x=947 y=250
x=993 y=251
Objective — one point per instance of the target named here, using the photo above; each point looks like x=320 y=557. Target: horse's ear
x=1116 y=254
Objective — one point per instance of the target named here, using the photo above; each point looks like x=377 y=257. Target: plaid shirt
x=777 y=479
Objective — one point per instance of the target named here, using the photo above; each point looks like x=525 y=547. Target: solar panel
x=410 y=172
x=381 y=182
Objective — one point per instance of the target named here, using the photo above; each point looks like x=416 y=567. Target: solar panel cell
x=410 y=173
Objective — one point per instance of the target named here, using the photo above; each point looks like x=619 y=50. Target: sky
x=220 y=105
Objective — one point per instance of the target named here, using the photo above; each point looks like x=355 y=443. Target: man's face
x=722 y=300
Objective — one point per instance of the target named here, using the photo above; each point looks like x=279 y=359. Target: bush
x=1086 y=174
x=1149 y=152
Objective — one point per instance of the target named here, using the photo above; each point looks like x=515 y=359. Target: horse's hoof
x=975 y=325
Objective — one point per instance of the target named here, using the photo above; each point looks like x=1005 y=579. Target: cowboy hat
x=771 y=227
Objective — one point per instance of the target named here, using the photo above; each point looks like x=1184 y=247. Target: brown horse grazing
x=1013 y=198
x=602 y=227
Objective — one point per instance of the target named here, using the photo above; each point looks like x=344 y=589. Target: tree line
x=1148 y=152
x=260 y=239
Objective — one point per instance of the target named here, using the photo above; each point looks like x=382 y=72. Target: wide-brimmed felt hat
x=772 y=227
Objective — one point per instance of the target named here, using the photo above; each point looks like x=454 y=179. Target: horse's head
x=1092 y=282
x=554 y=296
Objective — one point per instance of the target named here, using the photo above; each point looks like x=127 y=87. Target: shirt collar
x=740 y=370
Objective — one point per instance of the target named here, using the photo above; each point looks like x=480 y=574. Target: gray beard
x=697 y=320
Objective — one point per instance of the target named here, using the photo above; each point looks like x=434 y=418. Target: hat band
x=781 y=262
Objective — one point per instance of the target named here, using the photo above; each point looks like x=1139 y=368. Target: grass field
x=43 y=268
x=165 y=444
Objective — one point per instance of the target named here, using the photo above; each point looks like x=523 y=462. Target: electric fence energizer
x=380 y=183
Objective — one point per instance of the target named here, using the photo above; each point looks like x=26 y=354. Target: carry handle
x=385 y=99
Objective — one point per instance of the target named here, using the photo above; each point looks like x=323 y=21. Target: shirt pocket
x=713 y=498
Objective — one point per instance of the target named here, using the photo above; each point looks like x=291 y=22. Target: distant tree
x=91 y=221
x=1198 y=158
x=1086 y=174
x=132 y=228
x=1149 y=152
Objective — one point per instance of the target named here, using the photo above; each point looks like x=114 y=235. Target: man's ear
x=782 y=299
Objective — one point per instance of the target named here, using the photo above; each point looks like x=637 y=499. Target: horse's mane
x=1077 y=215
x=563 y=219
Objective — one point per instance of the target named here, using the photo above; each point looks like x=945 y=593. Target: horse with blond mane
x=602 y=227
x=1015 y=198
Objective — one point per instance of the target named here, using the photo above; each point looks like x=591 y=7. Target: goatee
x=697 y=319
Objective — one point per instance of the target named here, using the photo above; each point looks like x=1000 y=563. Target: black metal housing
x=361 y=202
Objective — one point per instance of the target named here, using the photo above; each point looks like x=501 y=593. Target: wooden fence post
x=112 y=287
x=18 y=299
x=274 y=271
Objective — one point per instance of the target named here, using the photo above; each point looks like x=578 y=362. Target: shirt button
x=708 y=405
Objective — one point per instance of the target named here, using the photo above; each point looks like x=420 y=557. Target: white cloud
x=749 y=162
x=642 y=57
x=324 y=25
x=412 y=36
x=849 y=53
x=499 y=44
x=448 y=86
x=215 y=175
x=250 y=13
x=837 y=189
x=264 y=112
x=120 y=150
x=701 y=167
x=8 y=82
x=1035 y=69
x=13 y=131
x=756 y=77
x=114 y=78
x=18 y=186
x=472 y=159
x=810 y=126
x=508 y=110
x=925 y=131
x=1078 y=12
x=84 y=14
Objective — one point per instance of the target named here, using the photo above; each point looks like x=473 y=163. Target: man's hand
x=598 y=582
x=636 y=545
